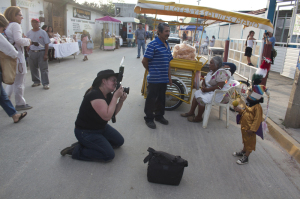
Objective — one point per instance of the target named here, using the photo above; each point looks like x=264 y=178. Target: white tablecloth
x=65 y=49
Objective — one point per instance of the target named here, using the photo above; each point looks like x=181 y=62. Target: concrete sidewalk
x=280 y=88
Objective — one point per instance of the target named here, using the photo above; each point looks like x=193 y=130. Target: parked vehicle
x=174 y=38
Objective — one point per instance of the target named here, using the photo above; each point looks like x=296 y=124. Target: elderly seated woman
x=215 y=79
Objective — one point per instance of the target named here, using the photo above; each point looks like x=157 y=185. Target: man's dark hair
x=161 y=27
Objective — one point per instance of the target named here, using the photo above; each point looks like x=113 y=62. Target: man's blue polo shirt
x=159 y=59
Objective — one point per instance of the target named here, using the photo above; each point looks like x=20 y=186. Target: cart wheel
x=172 y=102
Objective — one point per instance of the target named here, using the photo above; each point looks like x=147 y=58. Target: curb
x=284 y=139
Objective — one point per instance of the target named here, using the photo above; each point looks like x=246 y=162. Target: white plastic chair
x=208 y=107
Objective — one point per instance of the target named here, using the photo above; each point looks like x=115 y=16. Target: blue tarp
x=200 y=28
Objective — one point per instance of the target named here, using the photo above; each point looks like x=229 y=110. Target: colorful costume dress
x=251 y=119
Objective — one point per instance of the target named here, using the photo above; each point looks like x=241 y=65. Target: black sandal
x=21 y=117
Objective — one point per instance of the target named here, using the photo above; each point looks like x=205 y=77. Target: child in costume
x=251 y=118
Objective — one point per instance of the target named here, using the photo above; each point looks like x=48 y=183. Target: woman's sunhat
x=103 y=74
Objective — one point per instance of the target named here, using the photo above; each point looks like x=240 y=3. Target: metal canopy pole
x=154 y=25
x=201 y=38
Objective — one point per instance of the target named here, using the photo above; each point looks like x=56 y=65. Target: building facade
x=66 y=18
x=125 y=10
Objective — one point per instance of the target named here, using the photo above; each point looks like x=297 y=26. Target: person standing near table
x=140 y=39
x=45 y=28
x=50 y=51
x=13 y=33
x=85 y=38
x=157 y=62
x=38 y=54
x=102 y=39
x=107 y=34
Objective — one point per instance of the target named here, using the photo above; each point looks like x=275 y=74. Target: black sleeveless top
x=87 y=117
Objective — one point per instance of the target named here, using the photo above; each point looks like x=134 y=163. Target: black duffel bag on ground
x=164 y=168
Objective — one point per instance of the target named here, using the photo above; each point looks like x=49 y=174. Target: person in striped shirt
x=157 y=62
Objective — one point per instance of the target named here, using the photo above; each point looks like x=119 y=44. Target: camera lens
x=126 y=90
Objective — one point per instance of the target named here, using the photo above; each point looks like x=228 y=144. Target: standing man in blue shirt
x=140 y=39
x=157 y=62
x=269 y=39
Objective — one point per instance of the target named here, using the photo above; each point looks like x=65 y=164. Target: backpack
x=164 y=168
x=274 y=52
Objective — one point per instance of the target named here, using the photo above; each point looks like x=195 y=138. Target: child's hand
x=236 y=108
x=249 y=132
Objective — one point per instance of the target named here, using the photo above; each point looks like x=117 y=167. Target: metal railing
x=236 y=47
x=284 y=44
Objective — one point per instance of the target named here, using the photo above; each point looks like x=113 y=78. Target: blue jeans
x=5 y=102
x=97 y=145
x=141 y=43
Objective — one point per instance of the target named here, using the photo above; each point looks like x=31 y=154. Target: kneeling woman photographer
x=96 y=138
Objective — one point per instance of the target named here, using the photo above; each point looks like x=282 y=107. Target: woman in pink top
x=14 y=35
x=85 y=38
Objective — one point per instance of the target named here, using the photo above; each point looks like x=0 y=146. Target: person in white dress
x=14 y=35
x=215 y=79
x=7 y=49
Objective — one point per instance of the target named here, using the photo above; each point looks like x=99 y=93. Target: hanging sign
x=297 y=25
x=129 y=28
x=82 y=14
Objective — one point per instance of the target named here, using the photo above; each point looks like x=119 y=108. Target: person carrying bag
x=8 y=56
x=8 y=66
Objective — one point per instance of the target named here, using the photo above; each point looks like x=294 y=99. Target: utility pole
x=13 y=2
x=177 y=16
x=293 y=111
x=177 y=21
x=198 y=2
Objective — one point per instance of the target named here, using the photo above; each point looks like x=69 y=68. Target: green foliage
x=147 y=20
x=105 y=8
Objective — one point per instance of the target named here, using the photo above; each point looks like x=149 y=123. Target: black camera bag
x=164 y=168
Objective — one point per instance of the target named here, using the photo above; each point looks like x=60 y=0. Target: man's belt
x=36 y=51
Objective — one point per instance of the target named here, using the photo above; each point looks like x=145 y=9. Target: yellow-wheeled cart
x=183 y=71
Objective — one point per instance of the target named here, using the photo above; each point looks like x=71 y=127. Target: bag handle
x=148 y=157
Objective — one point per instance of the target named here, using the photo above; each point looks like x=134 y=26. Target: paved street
x=32 y=167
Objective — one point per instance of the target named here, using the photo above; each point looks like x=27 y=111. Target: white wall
x=212 y=30
x=30 y=9
x=78 y=25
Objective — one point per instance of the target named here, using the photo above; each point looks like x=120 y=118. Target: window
x=118 y=10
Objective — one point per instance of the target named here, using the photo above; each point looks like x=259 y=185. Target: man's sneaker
x=69 y=150
x=241 y=153
x=250 y=64
x=243 y=160
x=162 y=120
x=22 y=107
x=46 y=87
x=35 y=84
x=151 y=124
x=137 y=57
